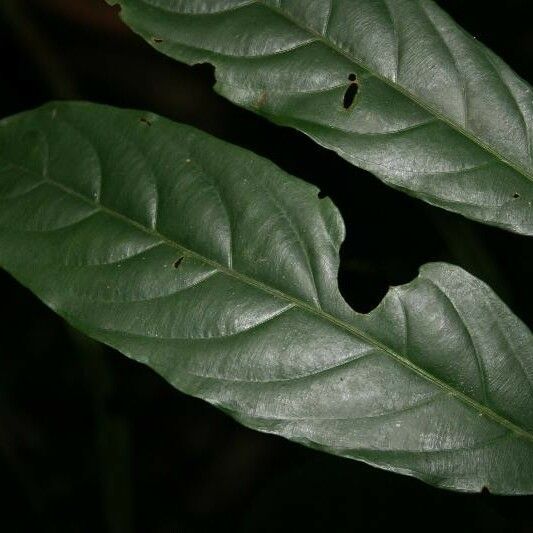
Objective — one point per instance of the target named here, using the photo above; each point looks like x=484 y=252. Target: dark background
x=90 y=441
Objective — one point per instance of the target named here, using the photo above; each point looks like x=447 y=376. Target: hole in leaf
x=351 y=92
x=145 y=121
x=178 y=261
x=516 y=195
x=322 y=194
x=157 y=40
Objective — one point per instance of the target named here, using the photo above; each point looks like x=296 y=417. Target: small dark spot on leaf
x=351 y=92
x=144 y=120
x=516 y=195
x=157 y=40
x=178 y=261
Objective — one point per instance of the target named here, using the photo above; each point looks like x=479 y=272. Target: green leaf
x=218 y=270
x=436 y=114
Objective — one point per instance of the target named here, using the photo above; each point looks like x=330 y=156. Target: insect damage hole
x=178 y=261
x=516 y=195
x=351 y=91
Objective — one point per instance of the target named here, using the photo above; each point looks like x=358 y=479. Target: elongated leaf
x=218 y=270
x=436 y=113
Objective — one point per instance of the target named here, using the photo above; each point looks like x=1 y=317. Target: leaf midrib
x=480 y=408
x=396 y=86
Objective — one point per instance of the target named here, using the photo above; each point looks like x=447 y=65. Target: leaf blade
x=228 y=289
x=438 y=115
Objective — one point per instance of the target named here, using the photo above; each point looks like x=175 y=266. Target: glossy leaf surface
x=219 y=271
x=393 y=86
